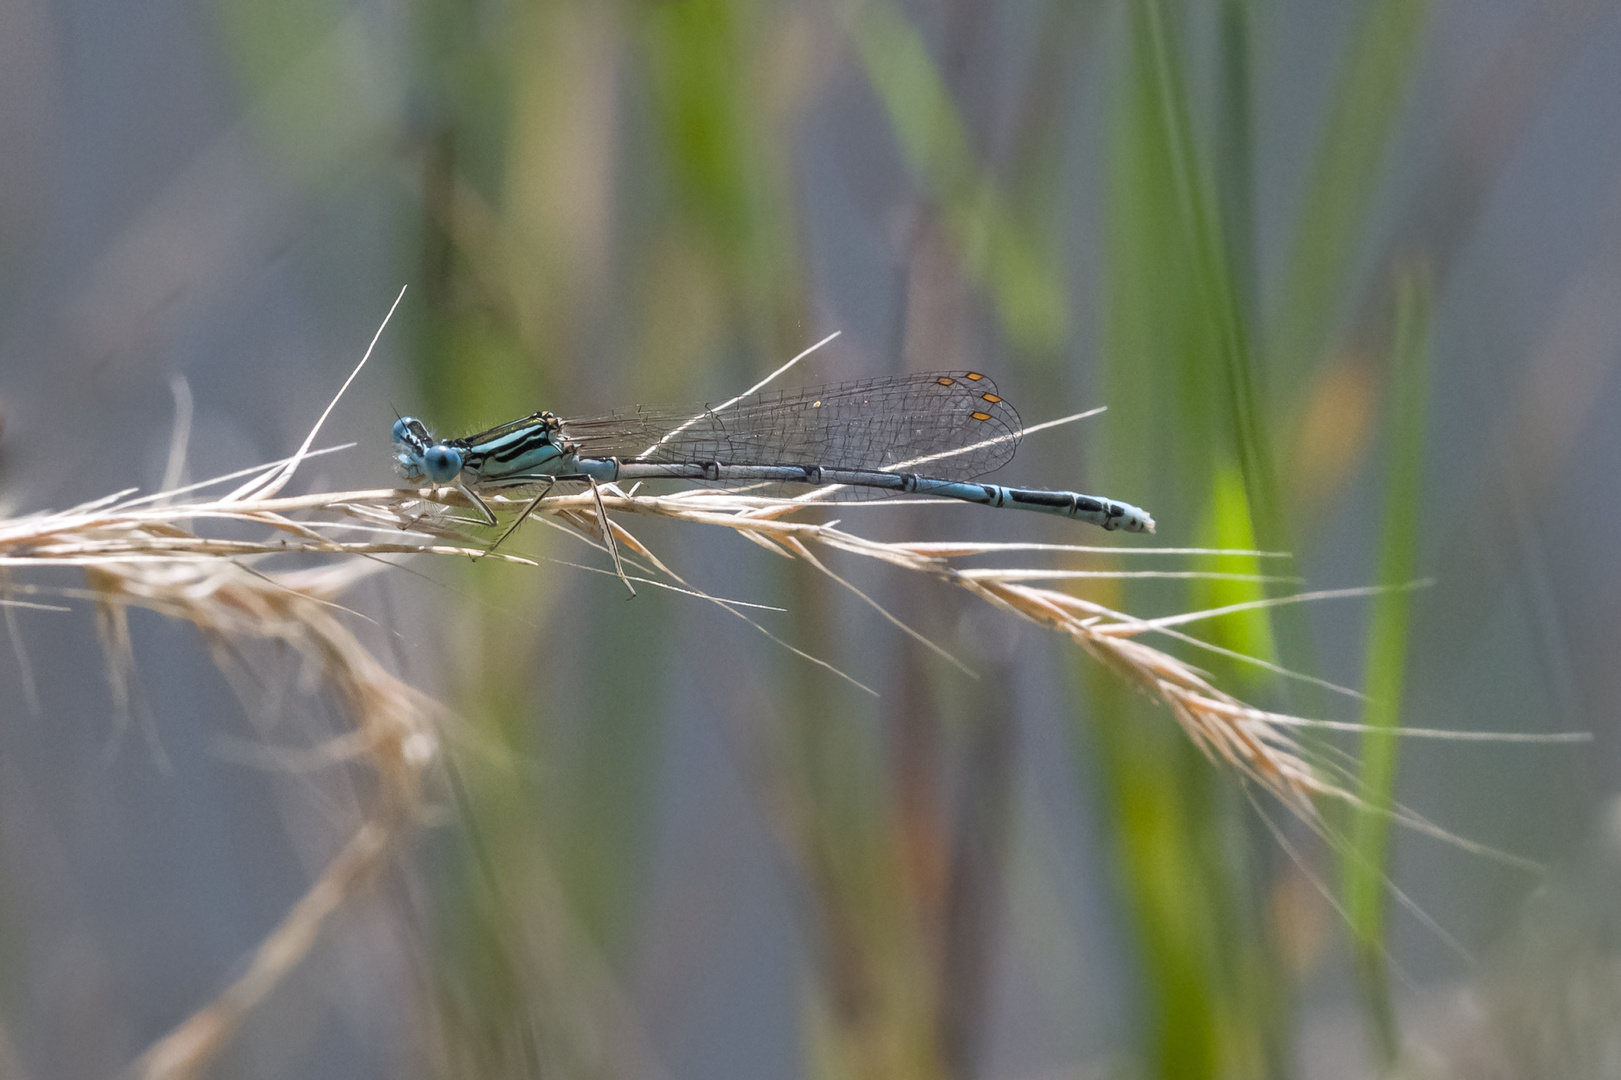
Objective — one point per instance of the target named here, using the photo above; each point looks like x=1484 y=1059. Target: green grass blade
x=1228 y=526
x=1217 y=291
x=1013 y=259
x=1180 y=367
x=1157 y=788
x=1365 y=863
x=1374 y=77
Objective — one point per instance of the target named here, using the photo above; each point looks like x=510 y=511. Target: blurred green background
x=1346 y=275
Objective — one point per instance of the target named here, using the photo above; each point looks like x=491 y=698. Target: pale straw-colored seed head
x=164 y=553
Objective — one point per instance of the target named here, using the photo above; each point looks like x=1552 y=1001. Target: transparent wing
x=954 y=422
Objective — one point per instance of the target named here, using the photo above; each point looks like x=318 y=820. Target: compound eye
x=442 y=463
x=402 y=430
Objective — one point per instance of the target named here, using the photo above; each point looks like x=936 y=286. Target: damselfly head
x=442 y=463
x=410 y=434
x=419 y=457
x=411 y=441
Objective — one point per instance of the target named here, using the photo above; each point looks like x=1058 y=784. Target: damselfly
x=870 y=434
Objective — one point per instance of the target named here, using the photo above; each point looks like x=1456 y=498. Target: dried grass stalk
x=137 y=553
x=161 y=553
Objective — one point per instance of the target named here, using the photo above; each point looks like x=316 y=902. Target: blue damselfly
x=870 y=434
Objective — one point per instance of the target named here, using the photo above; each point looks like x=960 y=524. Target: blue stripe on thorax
x=526 y=451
